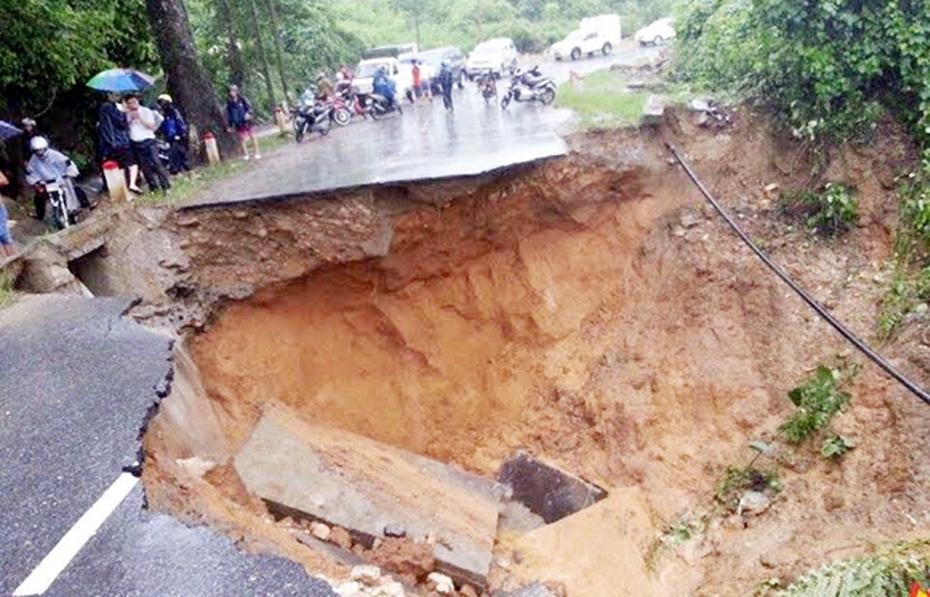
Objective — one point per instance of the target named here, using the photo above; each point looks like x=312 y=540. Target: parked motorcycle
x=378 y=106
x=530 y=86
x=487 y=85
x=57 y=213
x=341 y=113
x=312 y=116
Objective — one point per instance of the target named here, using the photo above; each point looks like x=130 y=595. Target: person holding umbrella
x=115 y=144
x=113 y=126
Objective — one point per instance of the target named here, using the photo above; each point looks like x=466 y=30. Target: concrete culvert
x=400 y=344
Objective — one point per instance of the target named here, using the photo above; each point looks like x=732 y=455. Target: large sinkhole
x=555 y=313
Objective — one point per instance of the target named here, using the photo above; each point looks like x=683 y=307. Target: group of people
x=126 y=132
x=422 y=86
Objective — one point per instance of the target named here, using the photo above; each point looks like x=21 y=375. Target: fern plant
x=818 y=399
x=876 y=576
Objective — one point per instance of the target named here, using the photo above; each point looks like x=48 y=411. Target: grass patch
x=830 y=211
x=186 y=187
x=603 y=101
x=7 y=294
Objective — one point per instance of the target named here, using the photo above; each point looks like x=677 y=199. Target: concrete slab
x=545 y=489
x=319 y=473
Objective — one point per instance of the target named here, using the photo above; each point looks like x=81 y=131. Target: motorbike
x=487 y=85
x=311 y=116
x=341 y=114
x=379 y=105
x=58 y=215
x=530 y=86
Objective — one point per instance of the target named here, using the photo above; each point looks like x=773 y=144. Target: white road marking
x=52 y=565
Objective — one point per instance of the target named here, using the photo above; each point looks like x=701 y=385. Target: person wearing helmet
x=175 y=131
x=50 y=165
x=445 y=83
x=383 y=85
x=241 y=116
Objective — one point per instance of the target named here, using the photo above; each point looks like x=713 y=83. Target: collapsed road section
x=528 y=383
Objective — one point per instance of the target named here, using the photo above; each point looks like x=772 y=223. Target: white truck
x=402 y=75
x=594 y=34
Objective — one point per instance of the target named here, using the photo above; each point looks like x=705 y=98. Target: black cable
x=837 y=325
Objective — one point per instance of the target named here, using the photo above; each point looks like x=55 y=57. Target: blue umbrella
x=8 y=131
x=121 y=80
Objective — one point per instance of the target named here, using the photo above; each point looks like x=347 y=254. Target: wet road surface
x=425 y=142
x=76 y=382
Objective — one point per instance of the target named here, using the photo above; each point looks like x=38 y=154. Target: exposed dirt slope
x=592 y=311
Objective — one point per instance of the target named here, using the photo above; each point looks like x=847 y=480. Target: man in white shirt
x=143 y=123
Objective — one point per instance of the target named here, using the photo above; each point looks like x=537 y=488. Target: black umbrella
x=8 y=131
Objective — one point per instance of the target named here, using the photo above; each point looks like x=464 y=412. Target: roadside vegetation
x=7 y=294
x=603 y=100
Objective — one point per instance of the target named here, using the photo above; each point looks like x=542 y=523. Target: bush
x=830 y=211
x=818 y=399
x=829 y=69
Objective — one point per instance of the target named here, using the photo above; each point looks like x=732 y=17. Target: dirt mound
x=590 y=310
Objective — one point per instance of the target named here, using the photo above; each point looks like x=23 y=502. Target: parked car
x=497 y=56
x=656 y=33
x=400 y=73
x=392 y=51
x=434 y=58
x=594 y=34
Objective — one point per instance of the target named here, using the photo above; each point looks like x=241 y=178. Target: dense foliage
x=532 y=24
x=47 y=47
x=829 y=68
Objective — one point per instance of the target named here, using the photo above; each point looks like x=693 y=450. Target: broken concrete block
x=313 y=472
x=320 y=531
x=349 y=589
x=368 y=575
x=653 y=110
x=546 y=490
x=440 y=583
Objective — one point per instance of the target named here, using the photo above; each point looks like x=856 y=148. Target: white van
x=497 y=55
x=594 y=34
x=402 y=74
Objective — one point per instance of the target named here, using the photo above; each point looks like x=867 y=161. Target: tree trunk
x=233 y=54
x=279 y=51
x=266 y=68
x=188 y=81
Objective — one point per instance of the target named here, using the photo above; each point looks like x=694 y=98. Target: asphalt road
x=425 y=142
x=76 y=383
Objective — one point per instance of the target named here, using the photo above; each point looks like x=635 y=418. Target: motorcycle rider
x=175 y=131
x=50 y=165
x=324 y=87
x=383 y=85
x=445 y=83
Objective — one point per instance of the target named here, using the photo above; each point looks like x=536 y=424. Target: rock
x=921 y=308
x=653 y=110
x=196 y=465
x=699 y=105
x=395 y=530
x=467 y=591
x=340 y=537
x=753 y=502
x=833 y=502
x=348 y=589
x=690 y=220
x=389 y=589
x=772 y=188
x=320 y=531
x=440 y=583
x=366 y=574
